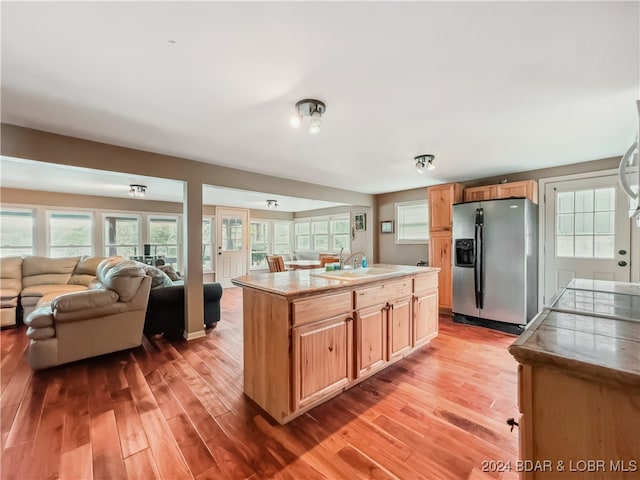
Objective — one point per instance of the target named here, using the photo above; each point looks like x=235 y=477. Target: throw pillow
x=158 y=277
x=170 y=271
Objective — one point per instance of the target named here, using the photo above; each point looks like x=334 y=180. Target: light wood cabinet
x=400 y=325
x=440 y=256
x=371 y=340
x=524 y=189
x=322 y=359
x=441 y=200
x=478 y=194
x=301 y=350
x=425 y=311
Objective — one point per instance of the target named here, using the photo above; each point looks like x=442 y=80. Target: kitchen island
x=309 y=337
x=579 y=384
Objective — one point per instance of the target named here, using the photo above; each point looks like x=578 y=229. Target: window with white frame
x=70 y=234
x=163 y=237
x=16 y=232
x=323 y=234
x=121 y=234
x=208 y=235
x=303 y=235
x=259 y=243
x=412 y=222
x=281 y=238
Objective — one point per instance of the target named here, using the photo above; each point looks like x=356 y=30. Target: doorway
x=586 y=231
x=232 y=233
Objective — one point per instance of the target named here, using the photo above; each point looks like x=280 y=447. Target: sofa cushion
x=10 y=274
x=40 y=317
x=41 y=333
x=124 y=277
x=9 y=296
x=47 y=271
x=88 y=300
x=42 y=290
x=85 y=270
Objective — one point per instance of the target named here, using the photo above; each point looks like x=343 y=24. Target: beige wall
x=387 y=250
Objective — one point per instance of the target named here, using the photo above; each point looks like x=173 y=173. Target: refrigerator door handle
x=478 y=272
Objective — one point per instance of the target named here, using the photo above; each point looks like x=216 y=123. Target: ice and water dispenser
x=464 y=252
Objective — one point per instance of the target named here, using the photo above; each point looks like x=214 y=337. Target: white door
x=231 y=225
x=587 y=232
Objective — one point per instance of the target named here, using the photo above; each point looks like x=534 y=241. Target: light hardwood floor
x=175 y=410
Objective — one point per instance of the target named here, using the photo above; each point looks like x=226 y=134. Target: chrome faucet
x=341 y=259
x=352 y=258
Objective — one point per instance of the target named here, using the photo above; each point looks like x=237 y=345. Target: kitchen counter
x=308 y=338
x=296 y=283
x=592 y=328
x=579 y=383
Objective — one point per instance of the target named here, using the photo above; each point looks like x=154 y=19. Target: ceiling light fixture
x=309 y=107
x=272 y=204
x=137 y=191
x=424 y=161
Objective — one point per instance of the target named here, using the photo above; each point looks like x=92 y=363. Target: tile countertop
x=600 y=348
x=300 y=282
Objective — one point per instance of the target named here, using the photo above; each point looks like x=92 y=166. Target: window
x=323 y=234
x=281 y=238
x=303 y=235
x=121 y=234
x=585 y=223
x=207 y=243
x=70 y=234
x=259 y=243
x=163 y=238
x=16 y=232
x=412 y=222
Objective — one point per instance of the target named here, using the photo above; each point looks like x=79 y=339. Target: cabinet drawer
x=425 y=283
x=318 y=308
x=382 y=293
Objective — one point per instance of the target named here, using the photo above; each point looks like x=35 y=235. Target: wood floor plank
x=77 y=417
x=25 y=424
x=141 y=466
x=193 y=449
x=107 y=456
x=76 y=463
x=130 y=431
x=166 y=453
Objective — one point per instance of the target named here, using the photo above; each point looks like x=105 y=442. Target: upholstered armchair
x=106 y=318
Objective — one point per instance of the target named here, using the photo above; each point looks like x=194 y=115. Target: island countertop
x=301 y=282
x=585 y=342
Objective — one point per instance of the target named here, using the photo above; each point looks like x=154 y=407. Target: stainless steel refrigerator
x=495 y=263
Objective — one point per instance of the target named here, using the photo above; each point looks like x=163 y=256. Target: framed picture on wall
x=386 y=226
x=360 y=221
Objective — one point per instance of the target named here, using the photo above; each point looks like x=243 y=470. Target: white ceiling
x=20 y=173
x=489 y=88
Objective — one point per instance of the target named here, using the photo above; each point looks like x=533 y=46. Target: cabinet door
x=476 y=194
x=441 y=200
x=440 y=256
x=425 y=317
x=527 y=189
x=399 y=325
x=371 y=339
x=322 y=359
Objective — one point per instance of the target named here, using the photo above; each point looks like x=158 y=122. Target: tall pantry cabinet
x=441 y=200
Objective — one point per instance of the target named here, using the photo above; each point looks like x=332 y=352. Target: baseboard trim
x=193 y=335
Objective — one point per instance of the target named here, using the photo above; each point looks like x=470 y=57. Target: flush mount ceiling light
x=314 y=109
x=137 y=191
x=272 y=204
x=424 y=161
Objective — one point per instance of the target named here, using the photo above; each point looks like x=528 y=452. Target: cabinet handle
x=512 y=422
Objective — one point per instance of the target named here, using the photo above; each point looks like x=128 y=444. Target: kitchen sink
x=355 y=274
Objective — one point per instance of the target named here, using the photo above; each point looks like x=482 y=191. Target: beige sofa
x=107 y=317
x=34 y=278
x=10 y=288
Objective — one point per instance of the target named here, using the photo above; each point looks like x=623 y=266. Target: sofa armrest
x=86 y=300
